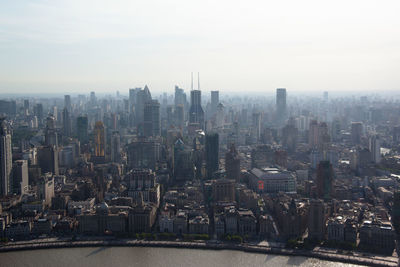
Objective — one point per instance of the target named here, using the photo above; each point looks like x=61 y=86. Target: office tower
x=232 y=164
x=325 y=176
x=143 y=154
x=256 y=127
x=180 y=96
x=115 y=147
x=92 y=99
x=99 y=139
x=48 y=159
x=20 y=177
x=223 y=190
x=152 y=123
x=212 y=154
x=67 y=103
x=318 y=135
x=143 y=96
x=356 y=132
x=82 y=129
x=67 y=125
x=316 y=220
x=26 y=106
x=132 y=98
x=45 y=188
x=38 y=112
x=51 y=136
x=183 y=163
x=281 y=111
x=375 y=148
x=179 y=114
x=5 y=158
x=289 y=137
x=214 y=101
x=196 y=113
x=336 y=130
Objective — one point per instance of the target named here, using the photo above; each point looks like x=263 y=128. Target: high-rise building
x=20 y=177
x=67 y=103
x=316 y=220
x=115 y=147
x=224 y=190
x=143 y=154
x=152 y=123
x=45 y=188
x=289 y=137
x=375 y=148
x=5 y=158
x=38 y=112
x=180 y=96
x=82 y=129
x=99 y=139
x=179 y=115
x=281 y=111
x=92 y=99
x=212 y=154
x=232 y=164
x=196 y=113
x=48 y=159
x=214 y=101
x=143 y=96
x=51 y=136
x=67 y=126
x=325 y=176
x=256 y=127
x=183 y=163
x=356 y=132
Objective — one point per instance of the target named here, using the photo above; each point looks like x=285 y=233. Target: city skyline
x=308 y=46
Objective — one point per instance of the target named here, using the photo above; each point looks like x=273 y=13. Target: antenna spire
x=198 y=81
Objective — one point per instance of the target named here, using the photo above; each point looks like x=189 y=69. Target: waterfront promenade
x=320 y=253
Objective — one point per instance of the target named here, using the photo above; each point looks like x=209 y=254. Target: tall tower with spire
x=196 y=112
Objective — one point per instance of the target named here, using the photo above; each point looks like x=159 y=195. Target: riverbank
x=369 y=260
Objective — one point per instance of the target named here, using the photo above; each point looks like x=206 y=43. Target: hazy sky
x=76 y=46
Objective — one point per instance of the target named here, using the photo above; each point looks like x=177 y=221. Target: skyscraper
x=82 y=129
x=20 y=177
x=143 y=96
x=152 y=122
x=214 y=101
x=356 y=132
x=212 y=152
x=51 y=136
x=281 y=111
x=325 y=176
x=67 y=103
x=180 y=96
x=5 y=158
x=232 y=164
x=99 y=139
x=375 y=148
x=115 y=147
x=67 y=126
x=48 y=159
x=316 y=220
x=196 y=113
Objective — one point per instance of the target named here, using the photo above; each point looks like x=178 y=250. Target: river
x=147 y=256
